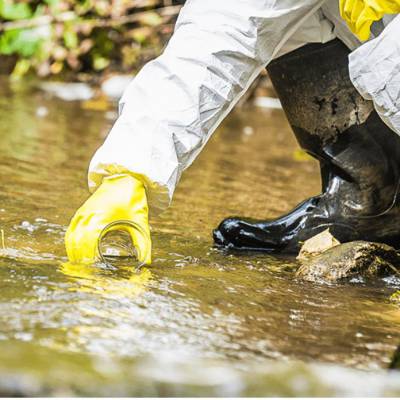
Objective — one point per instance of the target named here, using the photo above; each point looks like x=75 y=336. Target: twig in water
x=3 y=243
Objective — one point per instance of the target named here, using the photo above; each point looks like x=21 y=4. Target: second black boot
x=359 y=158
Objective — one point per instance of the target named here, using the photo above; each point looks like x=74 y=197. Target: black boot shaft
x=335 y=124
x=316 y=92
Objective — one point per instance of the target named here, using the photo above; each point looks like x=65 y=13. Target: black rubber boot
x=359 y=158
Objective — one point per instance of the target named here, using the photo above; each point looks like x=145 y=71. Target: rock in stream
x=349 y=260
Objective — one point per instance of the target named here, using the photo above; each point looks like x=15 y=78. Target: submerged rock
x=395 y=362
x=68 y=91
x=395 y=297
x=349 y=260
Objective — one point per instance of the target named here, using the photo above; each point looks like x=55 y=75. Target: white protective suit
x=375 y=72
x=170 y=109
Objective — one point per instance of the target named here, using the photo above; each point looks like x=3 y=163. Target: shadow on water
x=198 y=321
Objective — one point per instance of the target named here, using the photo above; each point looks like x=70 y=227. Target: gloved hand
x=361 y=14
x=119 y=197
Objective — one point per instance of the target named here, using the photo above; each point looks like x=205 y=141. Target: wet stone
x=68 y=91
x=317 y=245
x=350 y=260
x=395 y=362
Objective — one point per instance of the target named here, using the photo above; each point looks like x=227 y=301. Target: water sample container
x=115 y=245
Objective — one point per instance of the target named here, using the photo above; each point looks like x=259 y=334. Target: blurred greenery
x=51 y=37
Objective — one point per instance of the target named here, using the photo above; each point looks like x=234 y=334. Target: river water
x=198 y=321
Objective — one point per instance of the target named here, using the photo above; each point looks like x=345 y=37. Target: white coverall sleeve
x=375 y=72
x=171 y=108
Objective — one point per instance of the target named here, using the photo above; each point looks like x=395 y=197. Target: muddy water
x=197 y=321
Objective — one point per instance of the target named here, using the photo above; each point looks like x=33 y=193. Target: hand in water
x=119 y=197
x=361 y=14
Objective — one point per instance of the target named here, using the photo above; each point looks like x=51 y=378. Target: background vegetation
x=51 y=37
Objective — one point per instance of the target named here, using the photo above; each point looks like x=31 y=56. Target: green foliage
x=55 y=36
x=14 y=11
x=19 y=41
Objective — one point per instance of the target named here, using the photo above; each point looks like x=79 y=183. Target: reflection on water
x=100 y=326
x=99 y=279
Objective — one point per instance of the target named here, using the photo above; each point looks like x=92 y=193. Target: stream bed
x=198 y=322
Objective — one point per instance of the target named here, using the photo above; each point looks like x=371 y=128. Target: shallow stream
x=197 y=322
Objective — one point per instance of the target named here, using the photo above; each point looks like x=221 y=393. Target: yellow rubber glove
x=119 y=197
x=361 y=14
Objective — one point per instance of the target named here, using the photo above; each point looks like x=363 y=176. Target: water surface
x=197 y=321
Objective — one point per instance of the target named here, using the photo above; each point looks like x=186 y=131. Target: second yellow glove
x=361 y=14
